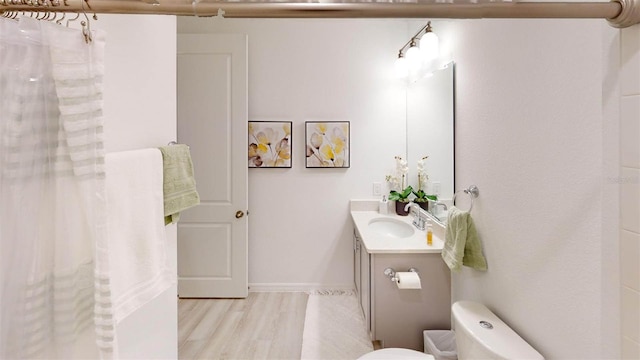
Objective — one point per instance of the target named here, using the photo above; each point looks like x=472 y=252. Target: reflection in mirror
x=430 y=124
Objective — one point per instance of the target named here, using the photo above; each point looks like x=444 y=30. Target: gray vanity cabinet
x=362 y=279
x=397 y=317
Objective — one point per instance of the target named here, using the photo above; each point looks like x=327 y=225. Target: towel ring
x=473 y=193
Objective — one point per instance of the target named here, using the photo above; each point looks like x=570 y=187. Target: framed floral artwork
x=269 y=144
x=327 y=144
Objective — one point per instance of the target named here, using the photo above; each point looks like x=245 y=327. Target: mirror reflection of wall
x=430 y=132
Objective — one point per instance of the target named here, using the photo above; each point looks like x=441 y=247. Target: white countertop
x=363 y=211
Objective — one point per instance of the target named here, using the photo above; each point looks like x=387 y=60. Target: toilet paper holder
x=391 y=274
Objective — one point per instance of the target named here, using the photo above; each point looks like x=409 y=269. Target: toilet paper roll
x=408 y=280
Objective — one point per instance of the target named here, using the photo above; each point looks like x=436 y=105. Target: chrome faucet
x=437 y=203
x=433 y=206
x=409 y=205
x=418 y=219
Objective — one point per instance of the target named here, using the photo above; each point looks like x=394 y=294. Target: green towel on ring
x=462 y=245
x=179 y=184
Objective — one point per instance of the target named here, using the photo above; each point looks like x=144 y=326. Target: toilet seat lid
x=395 y=353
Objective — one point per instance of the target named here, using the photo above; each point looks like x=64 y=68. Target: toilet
x=480 y=334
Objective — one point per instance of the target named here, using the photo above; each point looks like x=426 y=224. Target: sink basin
x=391 y=227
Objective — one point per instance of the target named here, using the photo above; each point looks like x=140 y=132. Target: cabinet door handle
x=239 y=214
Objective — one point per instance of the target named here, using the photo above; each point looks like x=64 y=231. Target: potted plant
x=397 y=181
x=401 y=199
x=422 y=199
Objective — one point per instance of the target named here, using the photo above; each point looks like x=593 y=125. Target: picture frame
x=327 y=144
x=269 y=144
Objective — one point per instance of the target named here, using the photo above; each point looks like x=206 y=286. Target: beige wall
x=629 y=181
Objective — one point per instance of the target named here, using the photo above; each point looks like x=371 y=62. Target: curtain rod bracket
x=630 y=14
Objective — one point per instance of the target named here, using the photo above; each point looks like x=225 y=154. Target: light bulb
x=401 y=67
x=414 y=58
x=429 y=45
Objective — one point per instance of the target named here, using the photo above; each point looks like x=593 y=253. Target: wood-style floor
x=265 y=325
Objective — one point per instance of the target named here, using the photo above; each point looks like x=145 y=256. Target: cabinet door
x=365 y=286
x=399 y=316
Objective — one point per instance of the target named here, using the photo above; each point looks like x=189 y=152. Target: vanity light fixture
x=411 y=55
x=401 y=66
x=414 y=57
x=429 y=43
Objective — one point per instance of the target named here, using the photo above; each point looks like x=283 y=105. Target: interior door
x=212 y=120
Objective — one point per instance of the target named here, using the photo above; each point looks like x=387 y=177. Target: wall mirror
x=430 y=124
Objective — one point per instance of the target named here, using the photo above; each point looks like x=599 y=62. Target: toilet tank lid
x=500 y=339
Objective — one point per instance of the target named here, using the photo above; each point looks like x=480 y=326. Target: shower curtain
x=54 y=287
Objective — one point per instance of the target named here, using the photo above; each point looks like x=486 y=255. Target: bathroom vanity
x=396 y=317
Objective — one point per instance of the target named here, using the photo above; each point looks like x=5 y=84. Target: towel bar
x=473 y=193
x=173 y=142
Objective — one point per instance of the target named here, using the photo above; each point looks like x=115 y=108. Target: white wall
x=532 y=135
x=140 y=80
x=140 y=112
x=301 y=70
x=629 y=181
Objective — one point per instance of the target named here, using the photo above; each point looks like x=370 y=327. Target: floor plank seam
x=331 y=292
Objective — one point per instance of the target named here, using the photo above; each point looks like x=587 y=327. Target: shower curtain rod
x=619 y=13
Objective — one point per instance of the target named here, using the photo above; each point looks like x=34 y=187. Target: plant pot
x=424 y=205
x=400 y=208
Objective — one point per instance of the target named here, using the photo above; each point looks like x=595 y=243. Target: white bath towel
x=137 y=243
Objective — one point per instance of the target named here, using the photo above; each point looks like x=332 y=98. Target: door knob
x=239 y=214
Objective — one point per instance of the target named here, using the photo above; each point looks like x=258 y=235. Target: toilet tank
x=480 y=334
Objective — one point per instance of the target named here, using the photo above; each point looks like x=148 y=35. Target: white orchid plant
x=400 y=191
x=398 y=180
x=423 y=177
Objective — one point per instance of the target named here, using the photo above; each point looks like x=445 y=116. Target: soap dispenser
x=383 y=206
x=429 y=233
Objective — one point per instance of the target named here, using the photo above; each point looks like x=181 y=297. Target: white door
x=212 y=120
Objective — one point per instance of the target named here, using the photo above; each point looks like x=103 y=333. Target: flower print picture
x=327 y=144
x=269 y=144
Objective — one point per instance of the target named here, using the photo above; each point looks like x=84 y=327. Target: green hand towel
x=179 y=184
x=462 y=245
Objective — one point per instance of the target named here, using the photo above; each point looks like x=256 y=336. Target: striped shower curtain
x=54 y=287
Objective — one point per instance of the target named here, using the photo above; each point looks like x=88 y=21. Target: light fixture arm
x=410 y=60
x=426 y=29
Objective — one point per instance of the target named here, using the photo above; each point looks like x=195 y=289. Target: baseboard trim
x=300 y=287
